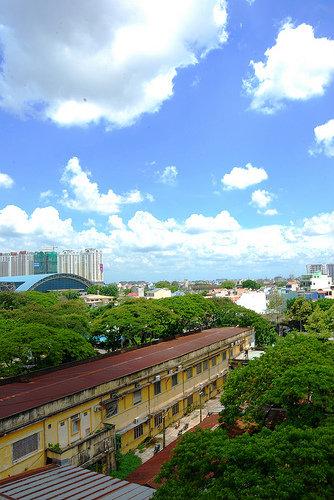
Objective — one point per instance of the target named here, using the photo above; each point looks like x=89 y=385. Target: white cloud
x=270 y=212
x=319 y=224
x=85 y=195
x=146 y=244
x=261 y=198
x=5 y=181
x=198 y=223
x=324 y=137
x=75 y=63
x=299 y=66
x=168 y=175
x=45 y=195
x=243 y=177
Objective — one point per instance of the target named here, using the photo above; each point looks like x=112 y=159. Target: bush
x=125 y=464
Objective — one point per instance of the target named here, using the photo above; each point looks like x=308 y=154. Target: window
x=213 y=361
x=198 y=368
x=138 y=431
x=111 y=408
x=175 y=379
x=175 y=409
x=190 y=400
x=157 y=387
x=25 y=446
x=224 y=355
x=158 y=420
x=214 y=385
x=75 y=424
x=205 y=365
x=137 y=397
x=189 y=372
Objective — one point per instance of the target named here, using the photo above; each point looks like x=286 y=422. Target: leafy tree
x=111 y=289
x=275 y=305
x=286 y=463
x=228 y=284
x=318 y=322
x=251 y=284
x=172 y=286
x=297 y=375
x=298 y=312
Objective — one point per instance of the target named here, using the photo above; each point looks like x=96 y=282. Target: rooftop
x=16 y=397
x=71 y=483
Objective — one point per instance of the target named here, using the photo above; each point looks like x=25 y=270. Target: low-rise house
x=158 y=293
x=96 y=300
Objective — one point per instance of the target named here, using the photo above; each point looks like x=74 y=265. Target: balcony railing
x=95 y=447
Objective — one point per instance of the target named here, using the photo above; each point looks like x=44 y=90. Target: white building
x=16 y=263
x=315 y=268
x=87 y=263
x=319 y=281
x=256 y=301
x=158 y=293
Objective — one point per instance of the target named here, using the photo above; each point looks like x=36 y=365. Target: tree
x=111 y=289
x=297 y=375
x=286 y=463
x=275 y=305
x=251 y=284
x=318 y=322
x=228 y=284
x=298 y=311
x=172 y=286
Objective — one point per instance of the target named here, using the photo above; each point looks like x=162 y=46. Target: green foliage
x=298 y=311
x=137 y=321
x=172 y=286
x=251 y=284
x=228 y=284
x=275 y=306
x=297 y=374
x=286 y=463
x=39 y=330
x=111 y=289
x=125 y=464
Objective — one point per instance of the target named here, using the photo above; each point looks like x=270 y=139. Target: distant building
x=292 y=286
x=158 y=293
x=256 y=301
x=330 y=270
x=319 y=281
x=87 y=263
x=16 y=263
x=45 y=262
x=96 y=300
x=315 y=268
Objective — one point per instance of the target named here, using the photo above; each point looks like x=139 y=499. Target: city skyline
x=189 y=144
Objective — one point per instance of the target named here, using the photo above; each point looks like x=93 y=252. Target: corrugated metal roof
x=75 y=483
x=27 y=281
x=17 y=397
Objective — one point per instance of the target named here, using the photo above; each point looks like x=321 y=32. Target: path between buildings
x=146 y=472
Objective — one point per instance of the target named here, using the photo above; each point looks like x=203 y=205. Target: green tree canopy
x=111 y=289
x=297 y=375
x=173 y=286
x=251 y=284
x=286 y=463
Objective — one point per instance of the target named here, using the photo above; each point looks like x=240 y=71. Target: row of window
x=112 y=406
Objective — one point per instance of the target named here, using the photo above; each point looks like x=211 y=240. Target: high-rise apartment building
x=45 y=262
x=86 y=263
x=315 y=268
x=330 y=270
x=16 y=263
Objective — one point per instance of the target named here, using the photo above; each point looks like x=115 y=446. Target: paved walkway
x=146 y=473
x=172 y=433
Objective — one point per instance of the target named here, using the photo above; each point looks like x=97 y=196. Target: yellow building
x=71 y=415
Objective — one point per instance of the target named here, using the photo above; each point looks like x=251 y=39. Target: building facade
x=16 y=263
x=67 y=414
x=45 y=262
x=87 y=263
x=158 y=293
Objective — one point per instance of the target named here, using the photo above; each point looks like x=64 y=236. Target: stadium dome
x=44 y=282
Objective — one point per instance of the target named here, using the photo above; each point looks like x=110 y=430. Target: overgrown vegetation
x=282 y=404
x=125 y=463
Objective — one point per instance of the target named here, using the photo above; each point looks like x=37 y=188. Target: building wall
x=94 y=408
x=87 y=263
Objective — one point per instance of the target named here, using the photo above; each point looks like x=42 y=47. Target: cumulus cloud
x=270 y=212
x=5 y=181
x=168 y=175
x=75 y=63
x=324 y=137
x=261 y=198
x=84 y=195
x=147 y=244
x=299 y=66
x=198 y=223
x=243 y=177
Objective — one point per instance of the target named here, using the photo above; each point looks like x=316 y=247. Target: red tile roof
x=17 y=397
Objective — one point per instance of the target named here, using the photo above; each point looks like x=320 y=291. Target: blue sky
x=201 y=163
